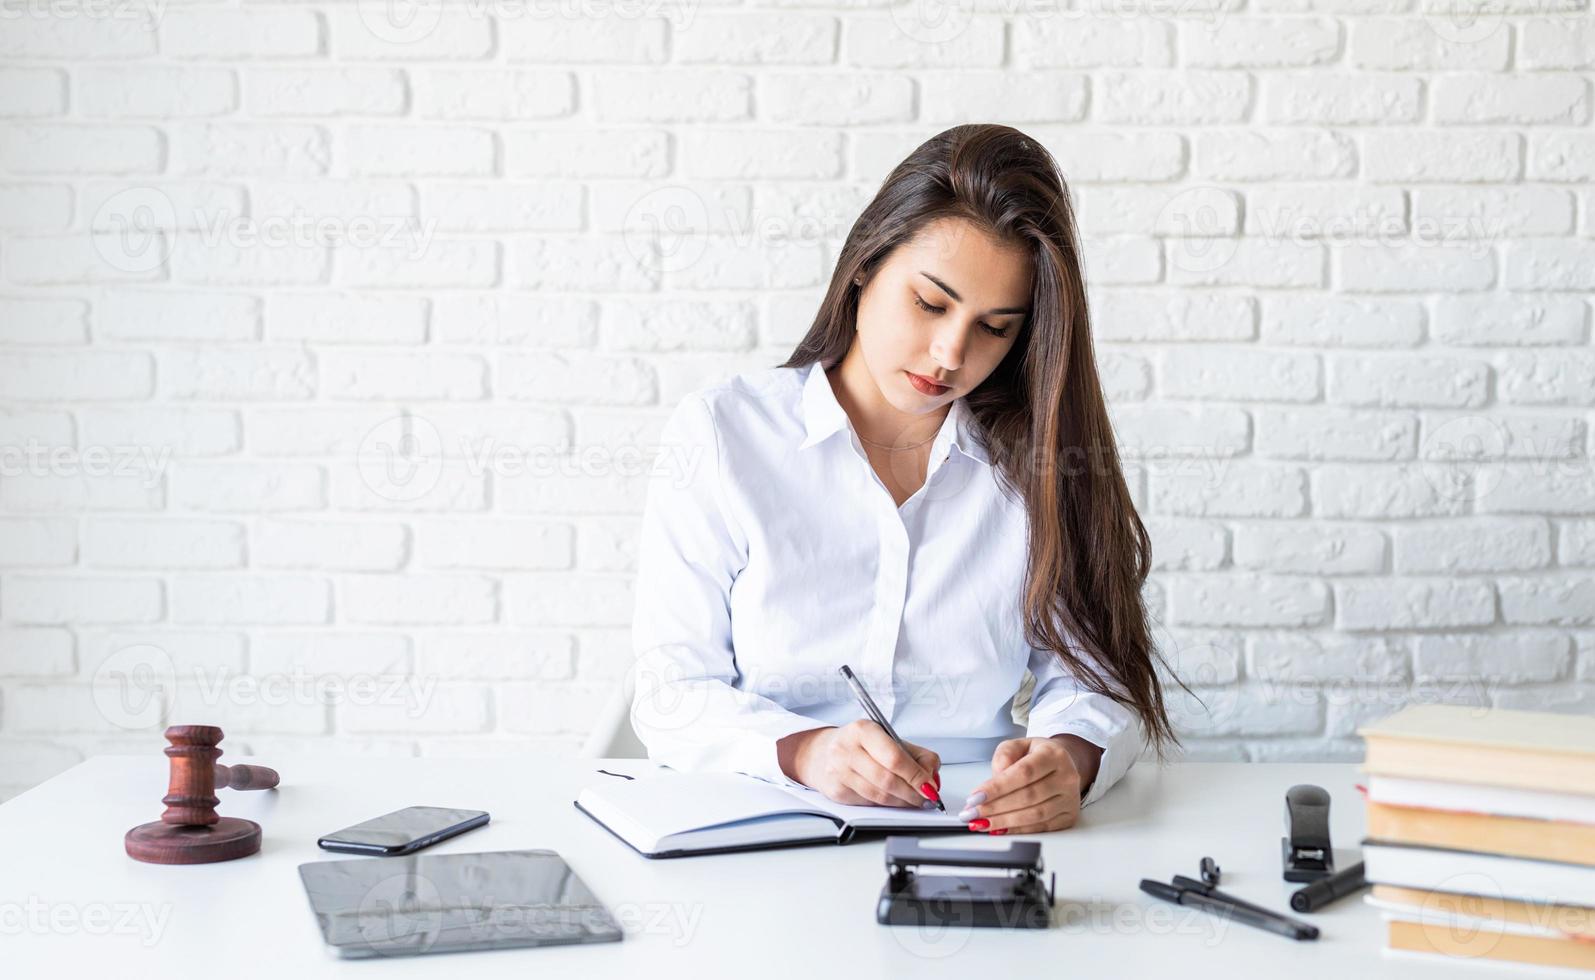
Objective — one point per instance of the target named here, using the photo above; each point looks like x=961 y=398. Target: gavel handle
x=245 y=777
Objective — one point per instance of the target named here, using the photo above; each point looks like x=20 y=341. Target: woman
x=928 y=491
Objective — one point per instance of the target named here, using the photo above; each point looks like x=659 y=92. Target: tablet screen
x=435 y=903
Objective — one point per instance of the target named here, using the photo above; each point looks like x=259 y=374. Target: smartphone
x=403 y=831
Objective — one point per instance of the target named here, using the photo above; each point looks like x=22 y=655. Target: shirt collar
x=823 y=416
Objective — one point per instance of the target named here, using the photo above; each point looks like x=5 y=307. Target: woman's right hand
x=859 y=764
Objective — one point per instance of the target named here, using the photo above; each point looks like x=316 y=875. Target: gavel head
x=191 y=792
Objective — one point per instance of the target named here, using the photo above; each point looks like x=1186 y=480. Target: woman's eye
x=995 y=332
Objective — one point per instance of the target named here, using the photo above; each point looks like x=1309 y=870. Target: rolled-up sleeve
x=1060 y=705
x=685 y=707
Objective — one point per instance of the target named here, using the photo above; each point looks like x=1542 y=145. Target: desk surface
x=73 y=904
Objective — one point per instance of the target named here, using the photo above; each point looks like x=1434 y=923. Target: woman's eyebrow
x=950 y=291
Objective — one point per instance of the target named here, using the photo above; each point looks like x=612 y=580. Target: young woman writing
x=927 y=490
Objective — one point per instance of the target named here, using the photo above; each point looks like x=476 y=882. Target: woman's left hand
x=1035 y=787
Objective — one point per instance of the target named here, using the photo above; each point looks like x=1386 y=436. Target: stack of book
x=1481 y=833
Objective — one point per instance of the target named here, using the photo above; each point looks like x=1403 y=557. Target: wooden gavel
x=190 y=831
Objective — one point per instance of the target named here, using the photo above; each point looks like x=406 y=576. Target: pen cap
x=1325 y=890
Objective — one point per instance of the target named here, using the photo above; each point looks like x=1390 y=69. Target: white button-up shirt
x=771 y=553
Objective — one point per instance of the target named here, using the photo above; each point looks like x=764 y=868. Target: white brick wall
x=1340 y=256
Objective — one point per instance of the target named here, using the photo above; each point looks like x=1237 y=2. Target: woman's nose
x=947 y=347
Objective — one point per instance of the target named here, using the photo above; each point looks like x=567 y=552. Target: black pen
x=878 y=718
x=1244 y=914
x=1180 y=881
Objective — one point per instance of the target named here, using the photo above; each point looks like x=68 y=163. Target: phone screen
x=409 y=829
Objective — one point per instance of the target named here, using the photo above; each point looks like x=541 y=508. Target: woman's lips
x=924 y=385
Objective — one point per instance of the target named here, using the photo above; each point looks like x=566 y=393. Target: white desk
x=72 y=904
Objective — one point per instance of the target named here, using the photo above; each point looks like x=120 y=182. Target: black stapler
x=1014 y=901
x=1307 y=853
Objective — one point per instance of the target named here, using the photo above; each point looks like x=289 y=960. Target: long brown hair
x=1041 y=411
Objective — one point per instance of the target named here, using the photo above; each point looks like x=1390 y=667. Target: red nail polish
x=937 y=776
x=979 y=824
x=999 y=832
x=929 y=791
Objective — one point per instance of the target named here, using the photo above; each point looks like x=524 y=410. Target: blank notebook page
x=673 y=803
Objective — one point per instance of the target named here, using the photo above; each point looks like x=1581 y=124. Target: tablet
x=440 y=903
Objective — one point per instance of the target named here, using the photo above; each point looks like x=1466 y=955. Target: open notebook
x=673 y=814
